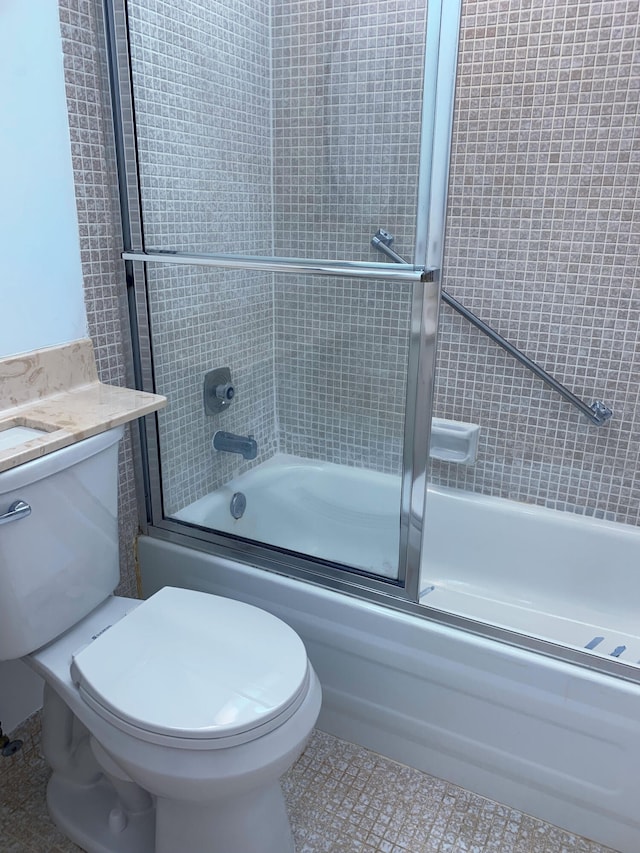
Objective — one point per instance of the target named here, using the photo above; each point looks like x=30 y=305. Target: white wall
x=41 y=294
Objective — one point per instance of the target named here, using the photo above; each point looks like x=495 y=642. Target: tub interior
x=541 y=572
x=341 y=514
x=553 y=575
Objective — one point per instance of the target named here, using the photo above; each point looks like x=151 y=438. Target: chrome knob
x=224 y=392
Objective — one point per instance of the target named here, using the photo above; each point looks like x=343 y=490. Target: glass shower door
x=272 y=141
x=307 y=454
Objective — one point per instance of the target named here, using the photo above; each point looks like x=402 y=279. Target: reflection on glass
x=290 y=130
x=318 y=369
x=278 y=128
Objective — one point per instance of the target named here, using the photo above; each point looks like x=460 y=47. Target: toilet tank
x=61 y=560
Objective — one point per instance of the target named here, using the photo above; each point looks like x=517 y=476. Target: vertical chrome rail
x=443 y=26
x=148 y=479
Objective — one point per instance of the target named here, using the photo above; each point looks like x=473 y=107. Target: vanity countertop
x=56 y=392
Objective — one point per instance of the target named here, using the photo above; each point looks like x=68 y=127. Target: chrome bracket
x=601 y=412
x=384 y=237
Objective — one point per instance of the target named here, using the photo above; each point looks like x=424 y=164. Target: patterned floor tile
x=341 y=798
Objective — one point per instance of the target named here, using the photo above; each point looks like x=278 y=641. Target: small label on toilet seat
x=95 y=636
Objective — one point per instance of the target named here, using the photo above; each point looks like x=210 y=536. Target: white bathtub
x=568 y=578
x=552 y=575
x=555 y=740
x=341 y=514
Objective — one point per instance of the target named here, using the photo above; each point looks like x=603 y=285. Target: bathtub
x=555 y=740
x=341 y=514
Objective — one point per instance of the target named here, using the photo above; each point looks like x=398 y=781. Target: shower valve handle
x=218 y=390
x=224 y=392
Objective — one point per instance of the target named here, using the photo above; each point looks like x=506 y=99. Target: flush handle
x=17 y=510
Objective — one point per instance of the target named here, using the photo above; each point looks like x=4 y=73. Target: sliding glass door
x=262 y=147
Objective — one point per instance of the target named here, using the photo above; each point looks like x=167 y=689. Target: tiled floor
x=342 y=799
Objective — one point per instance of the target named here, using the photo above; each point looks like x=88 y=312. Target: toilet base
x=255 y=822
x=84 y=813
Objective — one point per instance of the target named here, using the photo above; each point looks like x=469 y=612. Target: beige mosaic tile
x=345 y=799
x=342 y=799
x=93 y=156
x=542 y=243
x=25 y=826
x=542 y=238
x=206 y=185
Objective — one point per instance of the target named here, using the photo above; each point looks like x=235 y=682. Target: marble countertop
x=57 y=391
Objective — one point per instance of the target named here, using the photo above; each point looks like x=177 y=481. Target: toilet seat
x=193 y=669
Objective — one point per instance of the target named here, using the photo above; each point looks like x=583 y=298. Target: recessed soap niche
x=454 y=441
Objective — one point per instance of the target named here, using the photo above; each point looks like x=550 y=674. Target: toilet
x=168 y=722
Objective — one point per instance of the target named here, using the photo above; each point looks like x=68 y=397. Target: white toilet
x=168 y=722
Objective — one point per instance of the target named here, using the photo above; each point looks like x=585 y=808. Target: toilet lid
x=192 y=665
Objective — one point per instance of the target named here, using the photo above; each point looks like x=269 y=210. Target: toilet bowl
x=167 y=723
x=201 y=701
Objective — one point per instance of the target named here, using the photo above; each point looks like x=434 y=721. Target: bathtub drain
x=238 y=505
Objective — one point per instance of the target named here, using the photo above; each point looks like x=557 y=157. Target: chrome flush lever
x=17 y=510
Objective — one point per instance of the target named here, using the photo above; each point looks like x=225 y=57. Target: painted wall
x=40 y=275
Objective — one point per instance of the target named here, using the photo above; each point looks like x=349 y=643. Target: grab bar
x=598 y=412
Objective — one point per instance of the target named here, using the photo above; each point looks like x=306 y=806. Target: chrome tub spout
x=245 y=445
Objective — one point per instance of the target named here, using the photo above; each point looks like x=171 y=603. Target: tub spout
x=246 y=445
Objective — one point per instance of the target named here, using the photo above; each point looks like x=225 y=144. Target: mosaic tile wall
x=341 y=356
x=340 y=392
x=202 y=86
x=347 y=97
x=100 y=232
x=202 y=320
x=543 y=242
x=542 y=238
x=347 y=94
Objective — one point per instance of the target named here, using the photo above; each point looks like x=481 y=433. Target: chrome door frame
x=441 y=53
x=442 y=15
